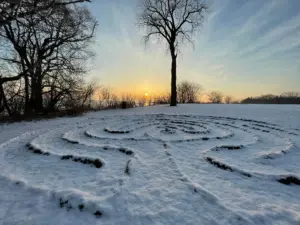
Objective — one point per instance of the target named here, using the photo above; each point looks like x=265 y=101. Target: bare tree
x=162 y=98
x=114 y=101
x=141 y=100
x=81 y=98
x=128 y=100
x=49 y=53
x=215 y=97
x=174 y=21
x=11 y=10
x=98 y=96
x=104 y=96
x=228 y=99
x=188 y=92
x=291 y=94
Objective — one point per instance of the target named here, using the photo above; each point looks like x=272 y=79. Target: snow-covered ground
x=193 y=164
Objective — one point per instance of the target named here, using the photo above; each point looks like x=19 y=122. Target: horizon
x=244 y=48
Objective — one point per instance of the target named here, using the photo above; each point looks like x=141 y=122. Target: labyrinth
x=107 y=167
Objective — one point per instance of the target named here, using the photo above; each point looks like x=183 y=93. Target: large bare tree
x=174 y=21
x=48 y=50
x=11 y=10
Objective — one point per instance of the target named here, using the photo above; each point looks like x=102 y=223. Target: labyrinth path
x=159 y=167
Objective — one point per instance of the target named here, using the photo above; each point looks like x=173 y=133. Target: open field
x=191 y=164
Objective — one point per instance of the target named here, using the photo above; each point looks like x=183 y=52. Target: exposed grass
x=127 y=171
x=95 y=162
x=289 y=180
x=125 y=151
x=116 y=131
x=98 y=213
x=229 y=147
x=224 y=166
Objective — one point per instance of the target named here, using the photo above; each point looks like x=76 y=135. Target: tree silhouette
x=11 y=10
x=174 y=21
x=188 y=92
x=284 y=98
x=47 y=55
x=228 y=99
x=215 y=97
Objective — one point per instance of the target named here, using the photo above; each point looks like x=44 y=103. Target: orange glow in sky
x=235 y=52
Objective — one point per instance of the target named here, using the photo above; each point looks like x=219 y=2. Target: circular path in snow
x=161 y=169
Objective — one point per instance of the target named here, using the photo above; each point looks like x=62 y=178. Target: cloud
x=242 y=40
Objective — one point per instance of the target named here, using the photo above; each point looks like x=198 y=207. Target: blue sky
x=245 y=48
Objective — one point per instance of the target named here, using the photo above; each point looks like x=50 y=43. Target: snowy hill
x=192 y=164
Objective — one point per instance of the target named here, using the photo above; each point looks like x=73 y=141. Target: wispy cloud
x=240 y=42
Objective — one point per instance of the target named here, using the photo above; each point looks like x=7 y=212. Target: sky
x=244 y=48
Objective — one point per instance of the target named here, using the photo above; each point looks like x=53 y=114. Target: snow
x=191 y=164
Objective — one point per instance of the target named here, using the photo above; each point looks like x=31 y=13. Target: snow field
x=151 y=167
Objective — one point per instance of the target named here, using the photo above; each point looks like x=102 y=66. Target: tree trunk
x=173 y=80
x=39 y=96
x=28 y=109
x=36 y=95
x=5 y=104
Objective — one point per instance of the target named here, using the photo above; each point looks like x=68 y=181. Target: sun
x=146 y=94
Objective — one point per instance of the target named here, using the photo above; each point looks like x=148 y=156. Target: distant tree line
x=187 y=93
x=191 y=92
x=284 y=98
